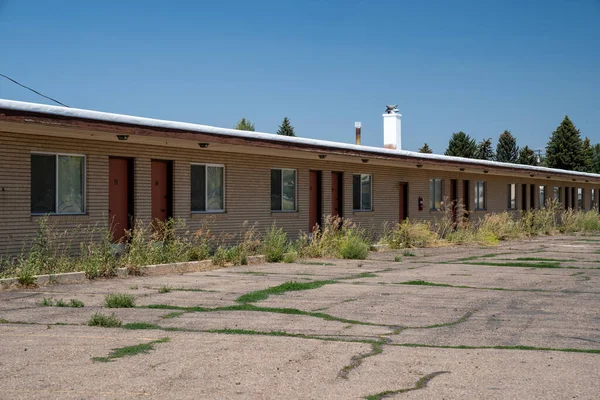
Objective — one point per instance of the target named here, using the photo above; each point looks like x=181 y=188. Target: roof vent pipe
x=392 y=128
x=357 y=127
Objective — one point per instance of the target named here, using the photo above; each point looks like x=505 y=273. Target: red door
x=160 y=190
x=118 y=189
x=335 y=195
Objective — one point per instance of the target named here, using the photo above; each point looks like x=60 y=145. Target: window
x=542 y=196
x=592 y=199
x=208 y=188
x=362 y=195
x=57 y=184
x=435 y=194
x=480 y=195
x=579 y=198
x=283 y=190
x=556 y=193
x=512 y=196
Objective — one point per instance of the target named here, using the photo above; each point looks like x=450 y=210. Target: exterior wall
x=247 y=188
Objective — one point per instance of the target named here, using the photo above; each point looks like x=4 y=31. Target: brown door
x=118 y=196
x=403 y=203
x=336 y=194
x=314 y=215
x=453 y=197
x=160 y=190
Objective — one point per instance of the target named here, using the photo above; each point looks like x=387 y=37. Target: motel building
x=85 y=168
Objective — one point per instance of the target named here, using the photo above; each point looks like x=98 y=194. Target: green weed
x=129 y=351
x=292 y=286
x=119 y=300
x=105 y=321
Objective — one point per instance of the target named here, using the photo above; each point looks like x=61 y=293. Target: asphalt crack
x=421 y=384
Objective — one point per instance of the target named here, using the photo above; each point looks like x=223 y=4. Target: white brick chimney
x=392 y=128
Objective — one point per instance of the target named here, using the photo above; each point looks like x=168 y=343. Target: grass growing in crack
x=526 y=348
x=252 y=307
x=174 y=314
x=397 y=259
x=140 y=325
x=358 y=276
x=408 y=253
x=462 y=319
x=421 y=383
x=105 y=321
x=129 y=351
x=356 y=361
x=165 y=289
x=542 y=259
x=317 y=263
x=424 y=283
x=48 y=302
x=291 y=286
x=119 y=300
x=542 y=264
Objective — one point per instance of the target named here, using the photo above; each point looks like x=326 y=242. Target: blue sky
x=477 y=66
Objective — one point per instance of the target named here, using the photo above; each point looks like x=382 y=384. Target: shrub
x=25 y=276
x=410 y=234
x=353 y=246
x=119 y=300
x=105 y=321
x=237 y=255
x=220 y=257
x=275 y=244
x=290 y=257
x=47 y=302
x=398 y=259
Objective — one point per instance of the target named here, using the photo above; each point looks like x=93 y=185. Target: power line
x=34 y=91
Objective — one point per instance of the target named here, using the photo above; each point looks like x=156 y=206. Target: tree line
x=285 y=129
x=565 y=150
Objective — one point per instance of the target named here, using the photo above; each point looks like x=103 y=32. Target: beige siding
x=247 y=187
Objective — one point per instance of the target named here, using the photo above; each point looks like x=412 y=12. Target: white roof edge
x=158 y=123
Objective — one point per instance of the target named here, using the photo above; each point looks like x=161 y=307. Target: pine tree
x=588 y=155
x=596 y=159
x=527 y=156
x=245 y=125
x=286 y=129
x=461 y=145
x=425 y=149
x=507 y=150
x=565 y=148
x=485 y=150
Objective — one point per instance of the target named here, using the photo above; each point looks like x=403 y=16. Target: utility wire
x=34 y=91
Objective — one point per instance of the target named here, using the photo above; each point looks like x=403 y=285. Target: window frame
x=432 y=198
x=512 y=199
x=281 y=183
x=361 y=192
x=84 y=186
x=580 y=199
x=206 y=188
x=476 y=199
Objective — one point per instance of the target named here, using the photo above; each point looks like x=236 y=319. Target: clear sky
x=479 y=66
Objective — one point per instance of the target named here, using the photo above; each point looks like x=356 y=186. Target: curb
x=148 y=270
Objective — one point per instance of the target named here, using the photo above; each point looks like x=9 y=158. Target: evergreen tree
x=485 y=150
x=596 y=159
x=461 y=145
x=507 y=150
x=527 y=156
x=588 y=155
x=565 y=148
x=245 y=125
x=425 y=149
x=286 y=129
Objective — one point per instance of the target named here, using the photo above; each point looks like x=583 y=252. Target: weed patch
x=165 y=289
x=421 y=383
x=129 y=351
x=105 y=321
x=291 y=286
x=140 y=326
x=173 y=315
x=119 y=300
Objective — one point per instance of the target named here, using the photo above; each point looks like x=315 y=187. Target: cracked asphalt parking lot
x=515 y=321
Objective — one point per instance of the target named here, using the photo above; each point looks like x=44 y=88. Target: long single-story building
x=82 y=168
